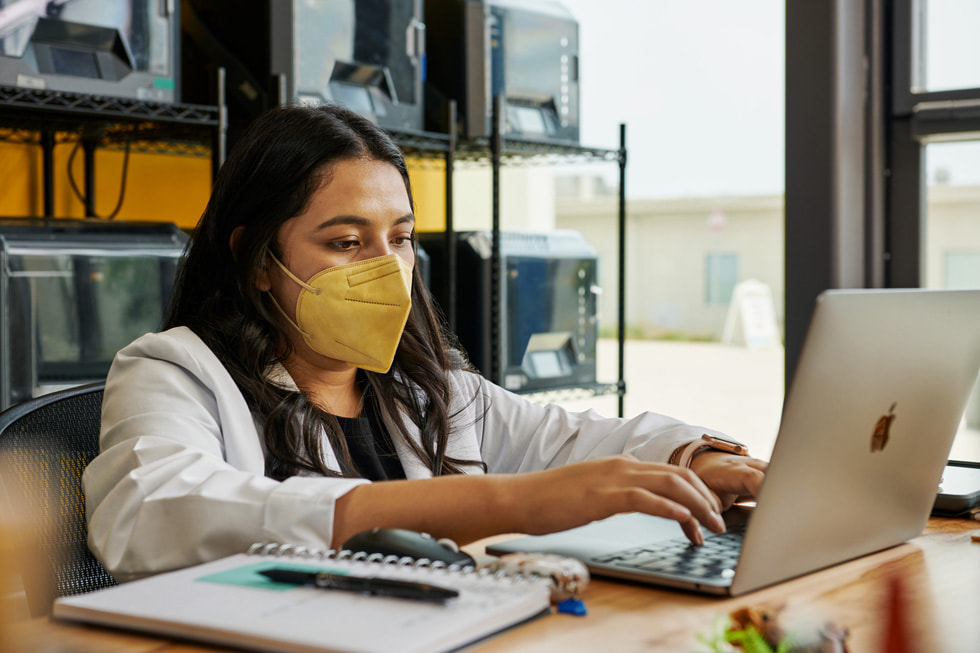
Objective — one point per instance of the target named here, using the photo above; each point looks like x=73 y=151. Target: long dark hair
x=269 y=178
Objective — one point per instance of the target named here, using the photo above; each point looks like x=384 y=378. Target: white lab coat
x=180 y=477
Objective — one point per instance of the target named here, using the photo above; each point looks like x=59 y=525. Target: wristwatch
x=685 y=455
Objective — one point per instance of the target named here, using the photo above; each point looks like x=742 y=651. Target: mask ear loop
x=315 y=291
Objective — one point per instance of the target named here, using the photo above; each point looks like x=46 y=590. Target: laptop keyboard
x=716 y=558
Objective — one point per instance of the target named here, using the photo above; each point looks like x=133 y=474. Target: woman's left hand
x=732 y=478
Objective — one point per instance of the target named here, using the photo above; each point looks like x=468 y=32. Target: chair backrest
x=45 y=445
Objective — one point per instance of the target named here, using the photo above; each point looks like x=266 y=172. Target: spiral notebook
x=228 y=602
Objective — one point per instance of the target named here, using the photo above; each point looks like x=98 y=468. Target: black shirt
x=370 y=446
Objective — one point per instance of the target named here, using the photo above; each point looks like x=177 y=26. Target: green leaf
x=749 y=639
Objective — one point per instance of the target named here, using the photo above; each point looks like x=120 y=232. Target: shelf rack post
x=450 y=231
x=89 y=144
x=47 y=154
x=220 y=130
x=496 y=144
x=621 y=299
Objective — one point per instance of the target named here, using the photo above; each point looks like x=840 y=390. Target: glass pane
x=704 y=108
x=952 y=247
x=126 y=294
x=950 y=54
x=70 y=313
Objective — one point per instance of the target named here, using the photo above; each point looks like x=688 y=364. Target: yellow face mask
x=355 y=312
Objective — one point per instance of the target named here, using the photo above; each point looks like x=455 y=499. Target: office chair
x=45 y=445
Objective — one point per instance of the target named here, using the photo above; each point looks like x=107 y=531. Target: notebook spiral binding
x=278 y=550
x=566 y=577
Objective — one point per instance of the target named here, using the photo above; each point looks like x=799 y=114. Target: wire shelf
x=574 y=393
x=183 y=129
x=514 y=151
x=99 y=107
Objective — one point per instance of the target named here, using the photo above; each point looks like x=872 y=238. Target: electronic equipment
x=547 y=306
x=527 y=51
x=72 y=293
x=869 y=355
x=959 y=490
x=116 y=48
x=367 y=55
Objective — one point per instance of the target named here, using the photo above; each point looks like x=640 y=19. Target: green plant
x=723 y=639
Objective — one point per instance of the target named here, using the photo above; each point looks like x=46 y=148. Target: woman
x=305 y=390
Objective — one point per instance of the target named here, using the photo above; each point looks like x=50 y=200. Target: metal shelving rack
x=498 y=151
x=40 y=117
x=45 y=118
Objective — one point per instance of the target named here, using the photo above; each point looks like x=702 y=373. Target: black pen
x=362 y=584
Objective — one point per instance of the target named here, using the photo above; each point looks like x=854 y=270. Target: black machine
x=547 y=306
x=72 y=293
x=115 y=48
x=526 y=51
x=368 y=55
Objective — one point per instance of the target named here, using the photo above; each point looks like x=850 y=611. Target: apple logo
x=880 y=436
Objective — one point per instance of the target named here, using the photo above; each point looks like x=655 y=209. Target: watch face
x=724 y=444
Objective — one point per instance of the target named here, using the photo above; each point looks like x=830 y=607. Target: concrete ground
x=733 y=389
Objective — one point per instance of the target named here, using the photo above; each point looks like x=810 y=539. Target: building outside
x=685 y=256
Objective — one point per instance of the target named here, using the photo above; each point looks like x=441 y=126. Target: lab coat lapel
x=279 y=375
x=460 y=448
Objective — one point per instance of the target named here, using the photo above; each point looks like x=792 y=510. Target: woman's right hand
x=576 y=494
x=466 y=508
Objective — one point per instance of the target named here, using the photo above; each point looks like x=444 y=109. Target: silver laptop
x=869 y=420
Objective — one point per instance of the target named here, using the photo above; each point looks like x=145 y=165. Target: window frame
x=915 y=119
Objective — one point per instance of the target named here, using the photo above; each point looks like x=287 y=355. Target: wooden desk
x=940 y=571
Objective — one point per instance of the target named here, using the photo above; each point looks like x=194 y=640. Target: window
x=700 y=87
x=962 y=270
x=720 y=277
x=951 y=247
x=934 y=159
x=949 y=54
